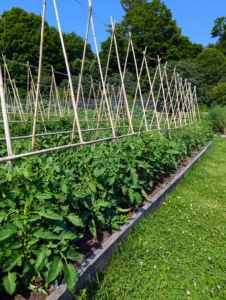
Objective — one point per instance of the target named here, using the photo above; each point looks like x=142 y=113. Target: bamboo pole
x=5 y=119
x=38 y=152
x=57 y=93
x=163 y=93
x=101 y=74
x=39 y=106
x=16 y=103
x=68 y=72
x=196 y=103
x=83 y=62
x=39 y=74
x=50 y=96
x=122 y=79
x=150 y=93
x=105 y=78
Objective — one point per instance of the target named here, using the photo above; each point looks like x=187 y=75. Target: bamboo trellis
x=171 y=101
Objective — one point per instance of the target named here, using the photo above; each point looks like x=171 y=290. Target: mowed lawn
x=179 y=251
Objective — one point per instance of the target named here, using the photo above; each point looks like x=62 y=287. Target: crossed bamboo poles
x=173 y=103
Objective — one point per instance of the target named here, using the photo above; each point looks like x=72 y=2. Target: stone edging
x=99 y=259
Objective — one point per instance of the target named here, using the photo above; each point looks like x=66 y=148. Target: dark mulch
x=88 y=244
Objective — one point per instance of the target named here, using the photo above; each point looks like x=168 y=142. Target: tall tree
x=151 y=25
x=128 y=5
x=20 y=33
x=212 y=64
x=219 y=30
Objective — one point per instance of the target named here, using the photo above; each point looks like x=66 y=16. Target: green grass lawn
x=179 y=251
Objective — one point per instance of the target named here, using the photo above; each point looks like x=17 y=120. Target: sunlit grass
x=178 y=252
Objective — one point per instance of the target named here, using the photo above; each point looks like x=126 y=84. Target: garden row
x=178 y=251
x=50 y=201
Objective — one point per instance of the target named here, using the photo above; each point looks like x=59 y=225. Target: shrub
x=217 y=118
x=217 y=94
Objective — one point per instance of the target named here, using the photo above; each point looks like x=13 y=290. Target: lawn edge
x=99 y=259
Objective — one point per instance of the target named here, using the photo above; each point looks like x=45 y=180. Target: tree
x=217 y=95
x=151 y=25
x=212 y=64
x=129 y=83
x=189 y=69
x=219 y=30
x=20 y=34
x=128 y=5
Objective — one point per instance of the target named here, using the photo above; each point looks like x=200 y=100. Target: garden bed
x=135 y=164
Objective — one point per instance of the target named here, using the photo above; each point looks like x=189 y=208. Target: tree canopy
x=20 y=33
x=219 y=30
x=151 y=25
x=128 y=5
x=212 y=64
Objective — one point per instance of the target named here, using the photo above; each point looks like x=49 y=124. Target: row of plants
x=50 y=201
x=177 y=252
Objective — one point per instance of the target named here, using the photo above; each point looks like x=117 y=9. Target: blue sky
x=194 y=17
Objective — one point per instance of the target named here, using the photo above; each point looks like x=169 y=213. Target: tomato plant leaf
x=6 y=233
x=70 y=276
x=9 y=282
x=50 y=215
x=46 y=235
x=75 y=220
x=41 y=259
x=92 y=227
x=12 y=261
x=74 y=255
x=55 y=269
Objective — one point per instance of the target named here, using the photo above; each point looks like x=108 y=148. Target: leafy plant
x=50 y=201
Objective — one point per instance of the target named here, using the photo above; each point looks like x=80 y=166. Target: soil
x=88 y=244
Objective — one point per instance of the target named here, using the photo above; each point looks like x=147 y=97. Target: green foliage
x=129 y=81
x=212 y=65
x=151 y=25
x=20 y=33
x=129 y=5
x=189 y=69
x=177 y=252
x=49 y=201
x=217 y=118
x=219 y=30
x=217 y=95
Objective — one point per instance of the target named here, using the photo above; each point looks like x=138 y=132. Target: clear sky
x=194 y=17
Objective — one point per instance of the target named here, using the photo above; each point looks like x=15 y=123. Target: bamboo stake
x=57 y=92
x=138 y=85
x=155 y=101
x=83 y=62
x=104 y=93
x=39 y=107
x=196 y=103
x=50 y=96
x=169 y=92
x=28 y=90
x=5 y=119
x=69 y=74
x=16 y=104
x=122 y=79
x=39 y=75
x=163 y=93
x=192 y=102
x=18 y=97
